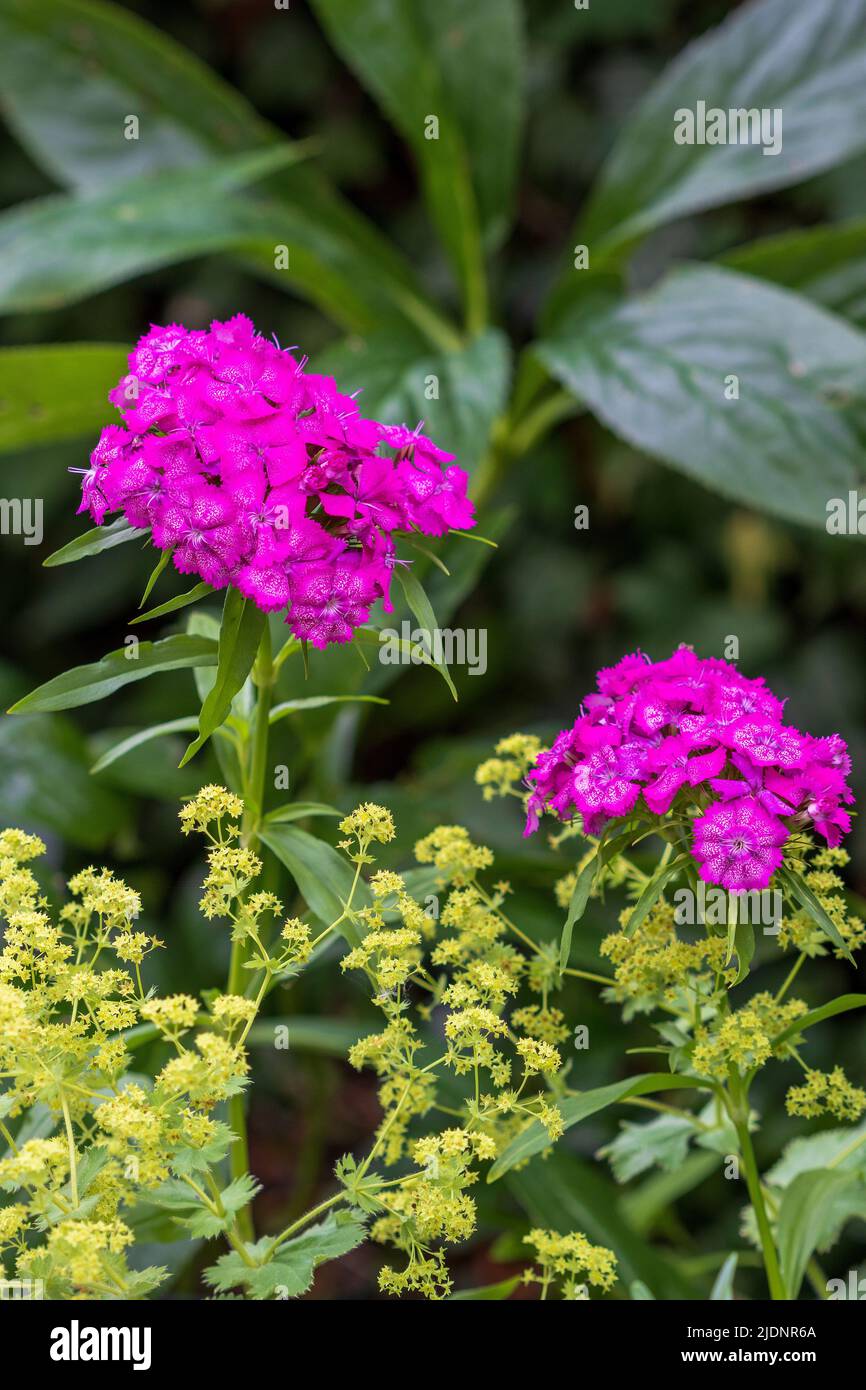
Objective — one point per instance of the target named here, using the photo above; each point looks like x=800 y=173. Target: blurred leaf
x=53 y=393
x=62 y=249
x=84 y=684
x=398 y=373
x=297 y=810
x=311 y=702
x=328 y=1037
x=461 y=66
x=47 y=787
x=72 y=71
x=94 y=542
x=240 y=633
x=323 y=876
x=827 y=264
x=563 y=1193
x=809 y=62
x=814 y=1208
x=126 y=745
x=663 y=1141
x=488 y=1293
x=723 y=1287
x=655 y=375
x=832 y=1148
x=535 y=1138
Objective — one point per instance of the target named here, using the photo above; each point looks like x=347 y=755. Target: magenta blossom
x=696 y=737
x=256 y=473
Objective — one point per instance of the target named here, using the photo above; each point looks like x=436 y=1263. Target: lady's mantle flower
x=254 y=472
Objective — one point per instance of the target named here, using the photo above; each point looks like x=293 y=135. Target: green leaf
x=84 y=684
x=461 y=65
x=663 y=1141
x=72 y=71
x=488 y=1293
x=290 y=1272
x=161 y=564
x=173 y=604
x=563 y=1193
x=47 y=787
x=240 y=633
x=577 y=907
x=827 y=264
x=323 y=876
x=534 y=1138
x=830 y=1148
x=652 y=892
x=841 y=1005
x=48 y=394
x=61 y=249
x=814 y=1208
x=639 y=1292
x=126 y=745
x=744 y=948
x=94 y=542
x=810 y=64
x=311 y=702
x=298 y=810
x=803 y=894
x=398 y=374
x=422 y=608
x=723 y=1285
x=325 y=1037
x=653 y=375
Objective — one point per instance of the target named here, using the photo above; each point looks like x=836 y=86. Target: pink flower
x=256 y=472
x=694 y=735
x=738 y=845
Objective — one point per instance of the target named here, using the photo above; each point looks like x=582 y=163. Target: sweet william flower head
x=696 y=736
x=257 y=473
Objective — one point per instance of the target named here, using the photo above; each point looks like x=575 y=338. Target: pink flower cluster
x=696 y=727
x=256 y=472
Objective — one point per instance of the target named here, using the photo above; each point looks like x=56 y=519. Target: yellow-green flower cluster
x=826 y=1093
x=571 y=1262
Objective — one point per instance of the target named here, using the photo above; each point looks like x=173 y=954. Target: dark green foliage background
x=664 y=561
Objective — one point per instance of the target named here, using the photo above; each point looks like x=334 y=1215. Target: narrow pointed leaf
x=85 y=684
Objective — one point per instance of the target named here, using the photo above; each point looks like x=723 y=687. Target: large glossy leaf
x=814 y=1208
x=71 y=72
x=458 y=394
x=807 y=60
x=534 y=1139
x=58 y=250
x=53 y=393
x=240 y=633
x=656 y=370
x=84 y=684
x=461 y=65
x=827 y=264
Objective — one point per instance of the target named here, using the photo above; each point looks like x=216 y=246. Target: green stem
x=70 y=1139
x=263 y=678
x=739 y=1111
